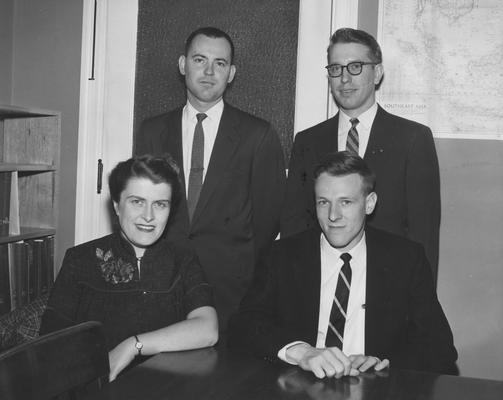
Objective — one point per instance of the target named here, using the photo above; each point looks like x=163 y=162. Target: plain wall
x=46 y=74
x=6 y=37
x=470 y=273
x=470 y=280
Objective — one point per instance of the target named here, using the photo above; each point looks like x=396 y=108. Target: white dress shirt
x=354 y=328
x=210 y=127
x=331 y=264
x=364 y=126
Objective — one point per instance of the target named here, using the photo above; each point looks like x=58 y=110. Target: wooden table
x=222 y=375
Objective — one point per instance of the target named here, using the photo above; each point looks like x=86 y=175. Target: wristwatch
x=138 y=345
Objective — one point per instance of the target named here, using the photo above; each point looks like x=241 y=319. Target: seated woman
x=149 y=295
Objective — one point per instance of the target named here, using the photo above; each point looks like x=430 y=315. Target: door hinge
x=100 y=176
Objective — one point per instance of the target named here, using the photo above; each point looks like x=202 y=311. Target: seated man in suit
x=348 y=298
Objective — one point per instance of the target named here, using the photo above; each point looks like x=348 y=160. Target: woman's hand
x=120 y=357
x=200 y=329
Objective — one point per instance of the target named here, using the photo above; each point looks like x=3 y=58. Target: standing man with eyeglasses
x=400 y=152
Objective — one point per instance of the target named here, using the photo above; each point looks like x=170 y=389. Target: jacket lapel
x=228 y=137
x=380 y=138
x=377 y=290
x=327 y=140
x=174 y=143
x=307 y=269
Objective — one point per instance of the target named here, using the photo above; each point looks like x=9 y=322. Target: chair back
x=57 y=363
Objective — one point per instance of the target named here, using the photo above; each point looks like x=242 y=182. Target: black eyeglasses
x=354 y=68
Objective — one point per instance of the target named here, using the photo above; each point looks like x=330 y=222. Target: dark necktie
x=352 y=141
x=196 y=166
x=335 y=332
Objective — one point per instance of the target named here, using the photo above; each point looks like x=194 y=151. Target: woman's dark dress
x=99 y=280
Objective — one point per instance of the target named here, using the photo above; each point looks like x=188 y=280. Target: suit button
x=192 y=236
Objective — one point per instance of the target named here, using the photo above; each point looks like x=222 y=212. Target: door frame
x=106 y=107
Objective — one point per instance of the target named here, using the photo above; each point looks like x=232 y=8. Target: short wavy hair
x=156 y=169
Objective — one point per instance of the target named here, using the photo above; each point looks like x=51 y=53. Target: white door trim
x=317 y=21
x=106 y=107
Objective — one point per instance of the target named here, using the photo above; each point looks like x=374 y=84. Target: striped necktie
x=352 y=141
x=335 y=332
x=196 y=166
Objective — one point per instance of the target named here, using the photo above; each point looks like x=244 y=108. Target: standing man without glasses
x=233 y=172
x=348 y=298
x=399 y=151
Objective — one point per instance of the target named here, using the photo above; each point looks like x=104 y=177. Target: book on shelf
x=18 y=274
x=5 y=305
x=26 y=271
x=13 y=275
x=47 y=264
x=22 y=266
x=34 y=267
x=5 y=193
x=14 y=223
x=50 y=245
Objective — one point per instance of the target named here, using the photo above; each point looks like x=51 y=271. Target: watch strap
x=138 y=344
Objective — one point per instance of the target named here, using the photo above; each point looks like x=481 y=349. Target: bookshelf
x=29 y=160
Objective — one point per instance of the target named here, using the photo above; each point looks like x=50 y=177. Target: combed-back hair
x=344 y=163
x=349 y=35
x=211 y=32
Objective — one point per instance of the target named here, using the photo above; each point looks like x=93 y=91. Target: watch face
x=138 y=344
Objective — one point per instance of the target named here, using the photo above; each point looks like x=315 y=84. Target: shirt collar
x=356 y=252
x=366 y=119
x=214 y=113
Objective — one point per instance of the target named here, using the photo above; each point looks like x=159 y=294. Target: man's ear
x=378 y=73
x=116 y=207
x=231 y=74
x=370 y=203
x=181 y=65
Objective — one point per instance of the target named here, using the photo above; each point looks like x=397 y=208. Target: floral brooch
x=114 y=270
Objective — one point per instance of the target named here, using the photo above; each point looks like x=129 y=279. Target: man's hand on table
x=331 y=361
x=363 y=363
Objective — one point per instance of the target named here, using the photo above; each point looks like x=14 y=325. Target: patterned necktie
x=196 y=166
x=335 y=332
x=352 y=141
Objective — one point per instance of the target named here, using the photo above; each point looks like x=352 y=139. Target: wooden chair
x=59 y=363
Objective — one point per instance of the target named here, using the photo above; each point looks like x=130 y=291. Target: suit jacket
x=402 y=155
x=237 y=215
x=404 y=321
